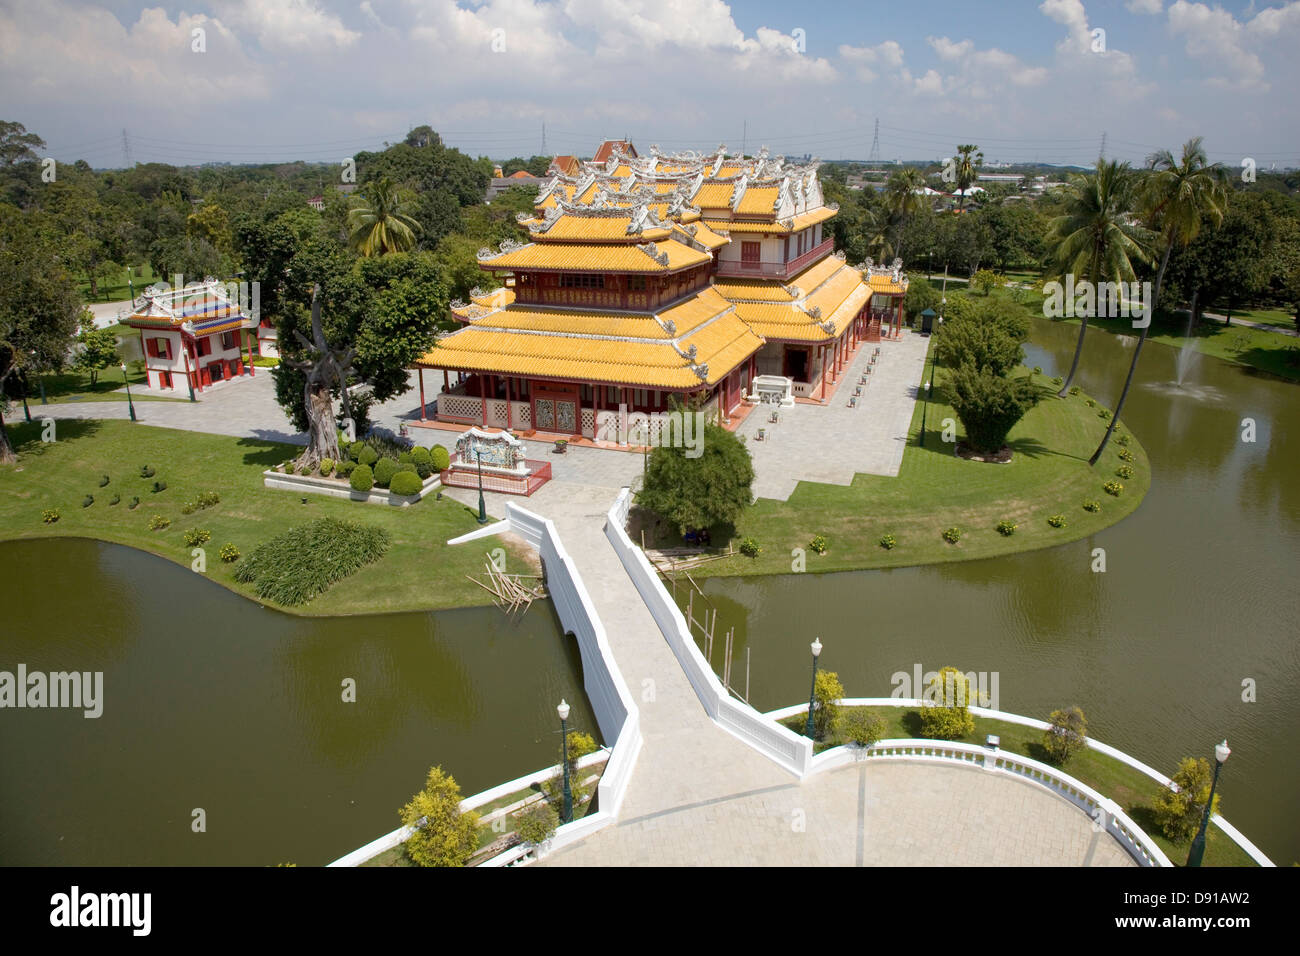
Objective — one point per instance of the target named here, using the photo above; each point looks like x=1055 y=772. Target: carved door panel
x=566 y=416
x=544 y=415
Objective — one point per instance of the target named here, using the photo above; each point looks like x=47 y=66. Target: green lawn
x=115 y=288
x=76 y=387
x=1280 y=317
x=419 y=571
x=1134 y=791
x=934 y=490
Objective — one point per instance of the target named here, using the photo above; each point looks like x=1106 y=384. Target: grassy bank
x=72 y=387
x=1272 y=352
x=934 y=490
x=419 y=572
x=1133 y=790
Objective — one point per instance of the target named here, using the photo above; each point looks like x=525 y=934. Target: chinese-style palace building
x=193 y=334
x=651 y=279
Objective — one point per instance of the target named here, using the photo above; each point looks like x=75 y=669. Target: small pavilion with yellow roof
x=652 y=279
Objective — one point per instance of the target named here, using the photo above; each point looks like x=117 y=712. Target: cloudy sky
x=269 y=80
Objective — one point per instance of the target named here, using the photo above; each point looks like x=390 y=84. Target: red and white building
x=194 y=335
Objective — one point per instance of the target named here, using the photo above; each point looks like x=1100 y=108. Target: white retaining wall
x=1022 y=766
x=336 y=488
x=781 y=744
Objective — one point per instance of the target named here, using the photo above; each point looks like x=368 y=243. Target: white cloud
x=1215 y=36
x=887 y=54
x=1147 y=7
x=981 y=72
x=288 y=25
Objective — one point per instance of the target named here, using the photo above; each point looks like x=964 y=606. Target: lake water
x=213 y=702
x=1200 y=594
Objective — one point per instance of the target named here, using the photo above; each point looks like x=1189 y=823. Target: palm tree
x=1096 y=238
x=380 y=220
x=969 y=159
x=904 y=198
x=1177 y=197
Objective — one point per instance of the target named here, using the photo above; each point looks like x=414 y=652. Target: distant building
x=608 y=147
x=565 y=166
x=521 y=178
x=317 y=203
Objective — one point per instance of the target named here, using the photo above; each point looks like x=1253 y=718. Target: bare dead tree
x=325 y=369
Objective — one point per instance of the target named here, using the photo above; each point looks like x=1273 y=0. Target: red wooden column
x=509 y=405
x=446 y=382
x=421 y=373
x=482 y=394
x=251 y=373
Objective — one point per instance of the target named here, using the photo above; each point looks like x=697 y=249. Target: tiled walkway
x=833 y=442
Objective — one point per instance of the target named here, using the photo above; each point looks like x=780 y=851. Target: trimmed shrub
x=944 y=714
x=1125 y=455
x=295 y=566
x=827 y=689
x=1089 y=402
x=159 y=486
x=305 y=470
x=103 y=480
x=345 y=468
x=50 y=515
x=384 y=470
x=819 y=543
x=1007 y=527
x=1179 y=813
x=1074 y=389
x=749 y=548
x=355 y=449
x=1121 y=439
x=952 y=535
x=1113 y=488
x=1066 y=735
x=229 y=553
x=444 y=836
x=1056 y=521
x=579 y=746
x=326 y=467
x=537 y=823
x=362 y=478
x=857 y=725
x=146 y=471
x=440 y=457
x=367 y=456
x=407 y=466
x=420 y=455
x=1103 y=414
x=889 y=542
x=196 y=536
x=133 y=504
x=158 y=522
x=405 y=483
x=405 y=457
x=1092 y=506
x=87 y=501
x=1124 y=471
x=115 y=499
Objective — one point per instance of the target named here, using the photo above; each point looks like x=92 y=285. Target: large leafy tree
x=1096 y=238
x=381 y=221
x=710 y=489
x=377 y=317
x=39 y=306
x=968 y=161
x=1179 y=195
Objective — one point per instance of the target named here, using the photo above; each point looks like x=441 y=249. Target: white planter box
x=339 y=488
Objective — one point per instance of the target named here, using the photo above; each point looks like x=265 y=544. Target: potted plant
x=560 y=445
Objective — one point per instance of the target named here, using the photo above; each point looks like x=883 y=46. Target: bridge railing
x=782 y=745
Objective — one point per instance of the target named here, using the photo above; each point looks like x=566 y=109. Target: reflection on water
x=213 y=702
x=1199 y=595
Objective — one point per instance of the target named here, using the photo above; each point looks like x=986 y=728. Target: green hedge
x=406 y=483
x=385 y=468
x=362 y=478
x=441 y=457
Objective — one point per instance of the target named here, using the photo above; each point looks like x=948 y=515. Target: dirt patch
x=999 y=457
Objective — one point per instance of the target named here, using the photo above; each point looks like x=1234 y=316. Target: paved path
x=832 y=443
x=699 y=796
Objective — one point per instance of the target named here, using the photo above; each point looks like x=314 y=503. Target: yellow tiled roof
x=776 y=320
x=885 y=285
x=817 y=273
x=706 y=236
x=583 y=257
x=758 y=200
x=695 y=310
x=594 y=229
x=771 y=291
x=721 y=345
x=812 y=217
x=713 y=196
x=794 y=224
x=834 y=290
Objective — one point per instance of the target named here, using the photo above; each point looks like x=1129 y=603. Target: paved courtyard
x=832 y=443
